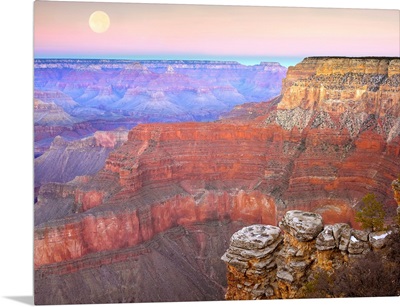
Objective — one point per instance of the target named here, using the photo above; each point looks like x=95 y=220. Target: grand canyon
x=147 y=173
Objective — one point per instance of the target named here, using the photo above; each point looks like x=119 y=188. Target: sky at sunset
x=248 y=34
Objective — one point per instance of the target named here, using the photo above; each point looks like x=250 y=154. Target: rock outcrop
x=243 y=169
x=269 y=262
x=396 y=190
x=65 y=160
x=252 y=261
x=340 y=84
x=50 y=114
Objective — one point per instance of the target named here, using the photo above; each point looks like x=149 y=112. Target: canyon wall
x=299 y=153
x=74 y=98
x=178 y=265
x=346 y=111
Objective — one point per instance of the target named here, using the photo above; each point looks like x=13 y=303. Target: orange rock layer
x=125 y=227
x=178 y=174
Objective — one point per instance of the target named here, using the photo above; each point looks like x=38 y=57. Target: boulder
x=378 y=239
x=304 y=226
x=326 y=239
x=251 y=247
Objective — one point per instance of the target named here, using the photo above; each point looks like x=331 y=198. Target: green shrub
x=371 y=216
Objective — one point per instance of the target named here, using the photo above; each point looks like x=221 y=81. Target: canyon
x=107 y=94
x=169 y=197
x=74 y=99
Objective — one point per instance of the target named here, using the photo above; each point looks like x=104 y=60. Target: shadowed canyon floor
x=179 y=264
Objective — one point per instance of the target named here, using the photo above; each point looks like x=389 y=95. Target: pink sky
x=209 y=31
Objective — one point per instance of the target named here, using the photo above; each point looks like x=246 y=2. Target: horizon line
x=285 y=61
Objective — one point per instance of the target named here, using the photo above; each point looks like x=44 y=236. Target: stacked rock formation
x=252 y=259
x=298 y=253
x=267 y=262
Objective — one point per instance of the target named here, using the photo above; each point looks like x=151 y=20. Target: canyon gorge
x=152 y=217
x=76 y=99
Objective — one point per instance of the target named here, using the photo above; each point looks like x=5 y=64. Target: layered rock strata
x=346 y=93
x=180 y=264
x=245 y=168
x=269 y=262
x=346 y=114
x=252 y=260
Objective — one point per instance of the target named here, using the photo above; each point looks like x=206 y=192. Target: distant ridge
x=38 y=61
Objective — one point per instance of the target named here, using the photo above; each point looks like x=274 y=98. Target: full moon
x=99 y=21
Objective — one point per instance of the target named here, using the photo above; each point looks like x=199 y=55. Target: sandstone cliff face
x=356 y=92
x=113 y=229
x=346 y=114
x=269 y=262
x=337 y=84
x=245 y=169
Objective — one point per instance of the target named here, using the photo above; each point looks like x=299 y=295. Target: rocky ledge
x=269 y=262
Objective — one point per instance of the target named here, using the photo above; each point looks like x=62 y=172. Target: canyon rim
x=147 y=168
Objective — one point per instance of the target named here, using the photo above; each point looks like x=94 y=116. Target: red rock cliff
x=359 y=85
x=320 y=150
